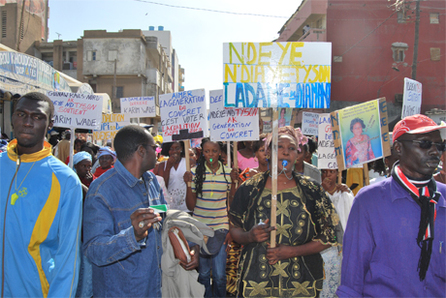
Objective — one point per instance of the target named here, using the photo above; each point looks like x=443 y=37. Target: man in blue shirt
x=122 y=234
x=394 y=241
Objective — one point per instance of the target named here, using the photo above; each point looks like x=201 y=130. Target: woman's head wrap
x=158 y=139
x=80 y=156
x=106 y=151
x=294 y=134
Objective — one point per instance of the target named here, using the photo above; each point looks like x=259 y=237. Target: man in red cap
x=394 y=244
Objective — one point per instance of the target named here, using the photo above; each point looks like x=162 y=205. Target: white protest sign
x=277 y=74
x=411 y=98
x=111 y=123
x=136 y=107
x=310 y=123
x=231 y=124
x=75 y=110
x=184 y=115
x=267 y=126
x=326 y=156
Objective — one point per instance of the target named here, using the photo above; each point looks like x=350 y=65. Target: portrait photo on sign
x=285 y=116
x=360 y=133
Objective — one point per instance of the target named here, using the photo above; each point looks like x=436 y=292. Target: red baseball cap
x=417 y=124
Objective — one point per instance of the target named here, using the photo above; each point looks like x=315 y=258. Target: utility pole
x=415 y=46
x=114 y=81
x=114 y=85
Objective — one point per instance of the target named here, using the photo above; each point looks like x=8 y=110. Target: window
x=434 y=18
x=401 y=16
x=119 y=92
x=4 y=24
x=337 y=58
x=91 y=56
x=435 y=54
x=398 y=55
x=399 y=49
x=112 y=55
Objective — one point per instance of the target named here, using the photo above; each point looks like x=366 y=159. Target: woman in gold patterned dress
x=305 y=226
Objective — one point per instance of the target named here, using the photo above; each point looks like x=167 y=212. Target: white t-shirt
x=342 y=202
x=177 y=187
x=166 y=193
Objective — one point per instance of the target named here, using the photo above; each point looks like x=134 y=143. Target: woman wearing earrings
x=172 y=170
x=260 y=154
x=208 y=197
x=305 y=223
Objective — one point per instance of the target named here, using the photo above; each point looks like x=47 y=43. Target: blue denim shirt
x=122 y=267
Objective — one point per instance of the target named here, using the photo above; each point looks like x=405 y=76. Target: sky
x=197 y=34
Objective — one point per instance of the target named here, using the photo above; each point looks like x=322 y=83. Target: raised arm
x=191 y=197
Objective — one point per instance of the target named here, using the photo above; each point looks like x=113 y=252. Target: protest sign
x=411 y=98
x=110 y=125
x=310 y=123
x=184 y=115
x=285 y=117
x=136 y=107
x=231 y=124
x=326 y=156
x=360 y=133
x=277 y=74
x=75 y=110
x=267 y=126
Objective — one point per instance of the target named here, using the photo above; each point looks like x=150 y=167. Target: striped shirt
x=210 y=208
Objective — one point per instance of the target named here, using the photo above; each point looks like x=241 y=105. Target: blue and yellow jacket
x=41 y=213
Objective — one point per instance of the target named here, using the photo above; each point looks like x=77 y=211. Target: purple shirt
x=380 y=249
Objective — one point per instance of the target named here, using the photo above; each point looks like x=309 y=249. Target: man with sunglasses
x=394 y=244
x=122 y=234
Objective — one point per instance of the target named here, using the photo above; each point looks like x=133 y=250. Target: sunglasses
x=425 y=144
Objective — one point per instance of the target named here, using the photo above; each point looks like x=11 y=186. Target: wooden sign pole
x=72 y=139
x=366 y=174
x=186 y=154
x=274 y=161
x=228 y=153
x=235 y=159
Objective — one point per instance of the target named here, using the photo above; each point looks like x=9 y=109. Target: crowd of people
x=98 y=229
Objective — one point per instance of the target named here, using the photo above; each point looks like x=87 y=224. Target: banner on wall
x=326 y=156
x=31 y=71
x=136 y=107
x=75 y=110
x=111 y=124
x=231 y=124
x=360 y=133
x=411 y=98
x=277 y=74
x=184 y=115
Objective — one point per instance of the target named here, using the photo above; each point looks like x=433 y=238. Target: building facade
x=129 y=63
x=21 y=26
x=373 y=46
